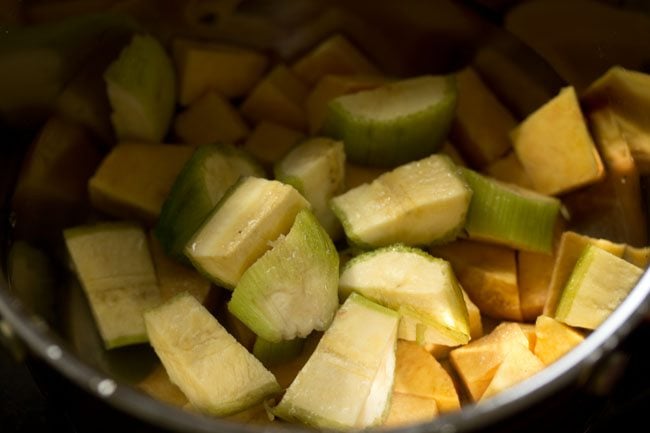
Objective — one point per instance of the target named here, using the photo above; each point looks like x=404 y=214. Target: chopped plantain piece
x=203 y=181
x=599 y=282
x=509 y=215
x=395 y=123
x=509 y=169
x=217 y=374
x=210 y=119
x=534 y=271
x=478 y=361
x=407 y=409
x=569 y=249
x=141 y=86
x=230 y=70
x=518 y=364
x=419 y=203
x=612 y=208
x=316 y=168
x=251 y=215
x=555 y=148
x=134 y=179
x=335 y=55
x=554 y=339
x=422 y=287
x=279 y=98
x=330 y=87
x=347 y=382
x=625 y=92
x=488 y=273
x=114 y=266
x=482 y=123
x=291 y=289
x=269 y=142
x=417 y=373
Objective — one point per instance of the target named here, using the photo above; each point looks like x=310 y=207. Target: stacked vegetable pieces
x=420 y=227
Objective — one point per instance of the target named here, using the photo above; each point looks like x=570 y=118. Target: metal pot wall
x=412 y=37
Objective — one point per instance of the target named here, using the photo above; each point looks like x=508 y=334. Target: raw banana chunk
x=509 y=215
x=251 y=215
x=419 y=203
x=217 y=374
x=599 y=282
x=423 y=288
x=316 y=168
x=114 y=267
x=293 y=288
x=134 y=179
x=141 y=90
x=212 y=169
x=347 y=382
x=395 y=123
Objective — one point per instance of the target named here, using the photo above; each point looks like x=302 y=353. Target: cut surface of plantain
x=141 y=91
x=600 y=281
x=114 y=266
x=346 y=383
x=292 y=289
x=134 y=179
x=419 y=203
x=395 y=123
x=251 y=215
x=421 y=287
x=217 y=374
x=204 y=179
x=510 y=215
x=316 y=168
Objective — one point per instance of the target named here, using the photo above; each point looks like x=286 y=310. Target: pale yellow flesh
x=477 y=362
x=488 y=273
x=217 y=374
x=347 y=381
x=317 y=168
x=424 y=284
x=331 y=86
x=554 y=339
x=134 y=180
x=415 y=95
x=519 y=364
x=568 y=251
x=417 y=373
x=239 y=232
x=624 y=93
x=555 y=148
x=414 y=204
x=114 y=266
x=598 y=284
x=406 y=409
x=231 y=71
